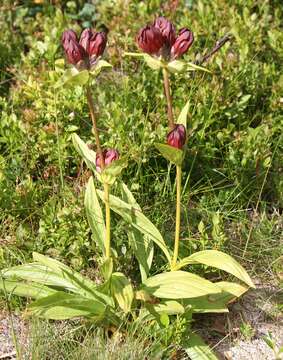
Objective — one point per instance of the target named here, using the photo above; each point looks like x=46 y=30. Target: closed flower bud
x=73 y=50
x=167 y=29
x=109 y=155
x=69 y=35
x=93 y=42
x=177 y=137
x=183 y=42
x=97 y=44
x=150 y=40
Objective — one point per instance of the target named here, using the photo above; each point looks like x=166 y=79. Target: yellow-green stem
x=107 y=222
x=94 y=125
x=168 y=98
x=178 y=216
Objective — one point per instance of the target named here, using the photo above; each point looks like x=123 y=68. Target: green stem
x=178 y=216
x=106 y=186
x=107 y=221
x=168 y=98
x=94 y=125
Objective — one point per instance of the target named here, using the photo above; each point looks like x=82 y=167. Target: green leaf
x=107 y=269
x=143 y=249
x=132 y=54
x=100 y=65
x=219 y=260
x=62 y=306
x=182 y=119
x=197 y=349
x=128 y=197
x=35 y=291
x=170 y=307
x=216 y=303
x=111 y=171
x=138 y=220
x=179 y=285
x=235 y=290
x=170 y=153
x=80 y=284
x=141 y=244
x=164 y=319
x=192 y=67
x=177 y=66
x=87 y=154
x=38 y=273
x=122 y=290
x=152 y=62
x=73 y=77
x=94 y=214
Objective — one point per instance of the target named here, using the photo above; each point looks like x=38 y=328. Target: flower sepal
x=171 y=153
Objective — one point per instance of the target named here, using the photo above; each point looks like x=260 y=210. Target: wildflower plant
x=60 y=292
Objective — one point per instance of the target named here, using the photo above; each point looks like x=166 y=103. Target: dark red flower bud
x=177 y=137
x=73 y=50
x=93 y=42
x=69 y=35
x=150 y=40
x=109 y=155
x=167 y=29
x=183 y=42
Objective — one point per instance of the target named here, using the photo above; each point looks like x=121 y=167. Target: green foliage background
x=233 y=184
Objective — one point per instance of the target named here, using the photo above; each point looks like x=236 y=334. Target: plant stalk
x=178 y=216
x=168 y=98
x=106 y=186
x=94 y=125
x=107 y=221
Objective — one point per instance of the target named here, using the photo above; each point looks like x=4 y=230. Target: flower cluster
x=109 y=155
x=160 y=39
x=177 y=137
x=84 y=51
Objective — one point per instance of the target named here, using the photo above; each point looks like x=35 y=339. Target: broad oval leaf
x=28 y=290
x=77 y=283
x=170 y=153
x=94 y=214
x=138 y=220
x=39 y=274
x=197 y=349
x=169 y=307
x=216 y=303
x=62 y=306
x=219 y=260
x=179 y=285
x=122 y=290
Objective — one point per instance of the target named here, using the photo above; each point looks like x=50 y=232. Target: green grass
x=232 y=173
